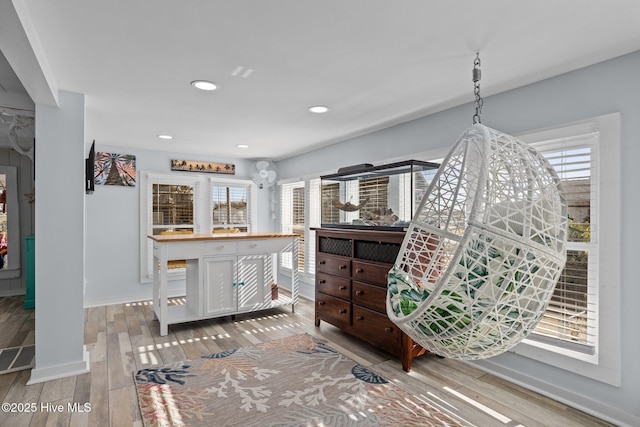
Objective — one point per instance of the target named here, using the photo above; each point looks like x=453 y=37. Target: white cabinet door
x=220 y=285
x=254 y=282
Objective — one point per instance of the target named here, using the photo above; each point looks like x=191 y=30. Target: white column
x=59 y=240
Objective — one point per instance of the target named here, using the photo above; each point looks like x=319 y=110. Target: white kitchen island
x=226 y=273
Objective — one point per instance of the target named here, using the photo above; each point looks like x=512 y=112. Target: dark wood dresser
x=351 y=287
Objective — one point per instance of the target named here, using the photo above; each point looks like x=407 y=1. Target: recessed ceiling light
x=165 y=137
x=319 y=109
x=204 y=85
x=242 y=146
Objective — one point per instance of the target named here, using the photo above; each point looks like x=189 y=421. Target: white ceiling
x=375 y=63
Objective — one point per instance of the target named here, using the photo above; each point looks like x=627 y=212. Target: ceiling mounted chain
x=476 y=89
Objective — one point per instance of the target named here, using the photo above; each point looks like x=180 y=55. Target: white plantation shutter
x=314 y=203
x=571 y=318
x=292 y=216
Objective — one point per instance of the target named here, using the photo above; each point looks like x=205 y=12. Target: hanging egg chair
x=484 y=250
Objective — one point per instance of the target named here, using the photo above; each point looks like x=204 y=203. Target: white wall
x=608 y=87
x=113 y=224
x=59 y=245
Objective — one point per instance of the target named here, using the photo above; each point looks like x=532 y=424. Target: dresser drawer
x=333 y=310
x=377 y=329
x=372 y=297
x=333 y=285
x=332 y=264
x=375 y=274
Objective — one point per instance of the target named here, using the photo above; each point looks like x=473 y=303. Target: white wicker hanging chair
x=484 y=251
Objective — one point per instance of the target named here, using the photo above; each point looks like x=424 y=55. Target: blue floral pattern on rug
x=220 y=355
x=162 y=375
x=367 y=375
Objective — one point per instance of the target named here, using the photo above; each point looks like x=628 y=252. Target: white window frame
x=604 y=364
x=286 y=200
x=311 y=219
x=202 y=210
x=252 y=203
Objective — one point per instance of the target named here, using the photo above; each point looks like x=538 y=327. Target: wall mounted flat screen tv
x=89 y=169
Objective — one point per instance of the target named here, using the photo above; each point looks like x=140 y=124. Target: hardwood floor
x=123 y=338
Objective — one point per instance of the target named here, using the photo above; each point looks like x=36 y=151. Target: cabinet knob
x=342 y=311
x=320 y=302
x=359 y=270
x=388 y=329
x=359 y=318
x=342 y=267
x=342 y=288
x=359 y=292
x=322 y=281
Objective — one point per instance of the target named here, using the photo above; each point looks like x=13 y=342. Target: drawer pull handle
x=359 y=318
x=220 y=246
x=342 y=288
x=342 y=311
x=359 y=270
x=320 y=302
x=322 y=281
x=359 y=292
x=322 y=262
x=342 y=267
x=388 y=329
x=254 y=245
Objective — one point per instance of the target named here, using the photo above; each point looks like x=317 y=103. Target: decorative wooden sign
x=196 y=166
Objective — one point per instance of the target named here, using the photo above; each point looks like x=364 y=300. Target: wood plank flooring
x=123 y=338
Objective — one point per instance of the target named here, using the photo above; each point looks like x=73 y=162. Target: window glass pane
x=570 y=316
x=314 y=221
x=293 y=219
x=330 y=214
x=376 y=191
x=567 y=316
x=172 y=204
x=297 y=224
x=574 y=169
x=229 y=205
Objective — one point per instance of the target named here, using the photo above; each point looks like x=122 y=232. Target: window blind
x=292 y=219
x=314 y=221
x=571 y=317
x=230 y=208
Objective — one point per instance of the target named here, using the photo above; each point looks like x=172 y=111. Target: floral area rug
x=295 y=381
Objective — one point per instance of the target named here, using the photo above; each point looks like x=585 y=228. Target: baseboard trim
x=61 y=371
x=590 y=406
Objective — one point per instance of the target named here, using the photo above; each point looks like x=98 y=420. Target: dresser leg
x=406 y=355
x=317 y=322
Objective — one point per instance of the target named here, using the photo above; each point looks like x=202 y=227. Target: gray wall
x=608 y=87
